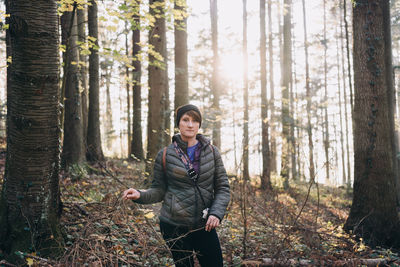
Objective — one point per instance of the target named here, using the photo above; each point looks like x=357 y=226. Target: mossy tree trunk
x=29 y=219
x=373 y=214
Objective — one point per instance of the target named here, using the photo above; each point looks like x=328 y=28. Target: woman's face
x=188 y=127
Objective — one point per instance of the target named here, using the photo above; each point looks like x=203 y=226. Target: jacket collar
x=204 y=141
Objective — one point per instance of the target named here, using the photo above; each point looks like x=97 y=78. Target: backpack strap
x=164 y=159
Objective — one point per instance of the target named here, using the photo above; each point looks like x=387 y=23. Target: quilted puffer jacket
x=182 y=204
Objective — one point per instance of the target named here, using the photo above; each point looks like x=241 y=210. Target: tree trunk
x=215 y=88
x=29 y=204
x=83 y=70
x=73 y=147
x=128 y=93
x=346 y=115
x=94 y=150
x=246 y=174
x=296 y=127
x=373 y=214
x=108 y=125
x=308 y=97
x=158 y=82
x=286 y=80
x=348 y=55
x=266 y=171
x=273 y=163
x=326 y=118
x=292 y=135
x=344 y=180
x=137 y=144
x=181 y=56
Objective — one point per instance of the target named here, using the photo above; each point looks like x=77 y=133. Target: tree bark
x=73 y=146
x=266 y=171
x=292 y=134
x=158 y=84
x=108 y=125
x=29 y=204
x=181 y=55
x=346 y=116
x=286 y=80
x=343 y=158
x=273 y=163
x=308 y=97
x=346 y=27
x=128 y=93
x=246 y=174
x=137 y=143
x=373 y=214
x=326 y=118
x=215 y=85
x=83 y=70
x=94 y=149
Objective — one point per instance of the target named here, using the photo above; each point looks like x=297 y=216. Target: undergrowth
x=304 y=222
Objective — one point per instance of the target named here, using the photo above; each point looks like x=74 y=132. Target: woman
x=190 y=179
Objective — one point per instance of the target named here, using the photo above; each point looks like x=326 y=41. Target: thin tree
x=29 y=204
x=81 y=20
x=326 y=118
x=292 y=133
x=272 y=90
x=266 y=170
x=108 y=124
x=373 y=215
x=94 y=149
x=215 y=90
x=341 y=130
x=73 y=144
x=295 y=126
x=128 y=91
x=136 y=143
x=308 y=97
x=286 y=81
x=346 y=27
x=246 y=175
x=181 y=54
x=346 y=115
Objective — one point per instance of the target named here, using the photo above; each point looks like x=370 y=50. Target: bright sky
x=230 y=42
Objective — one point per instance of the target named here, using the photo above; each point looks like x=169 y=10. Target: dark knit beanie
x=183 y=109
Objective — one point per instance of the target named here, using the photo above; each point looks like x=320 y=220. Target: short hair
x=194 y=115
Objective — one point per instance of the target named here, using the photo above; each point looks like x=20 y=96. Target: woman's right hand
x=131 y=193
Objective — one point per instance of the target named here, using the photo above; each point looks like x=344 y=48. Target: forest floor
x=298 y=227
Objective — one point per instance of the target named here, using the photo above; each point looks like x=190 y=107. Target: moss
x=48 y=239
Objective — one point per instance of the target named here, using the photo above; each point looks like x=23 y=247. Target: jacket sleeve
x=221 y=188
x=158 y=186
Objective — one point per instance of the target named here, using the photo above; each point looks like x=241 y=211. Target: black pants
x=184 y=243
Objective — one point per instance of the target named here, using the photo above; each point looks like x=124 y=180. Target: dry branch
x=304 y=262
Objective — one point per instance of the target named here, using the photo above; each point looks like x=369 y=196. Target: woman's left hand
x=212 y=223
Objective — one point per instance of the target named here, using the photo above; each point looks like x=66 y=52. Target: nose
x=190 y=123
